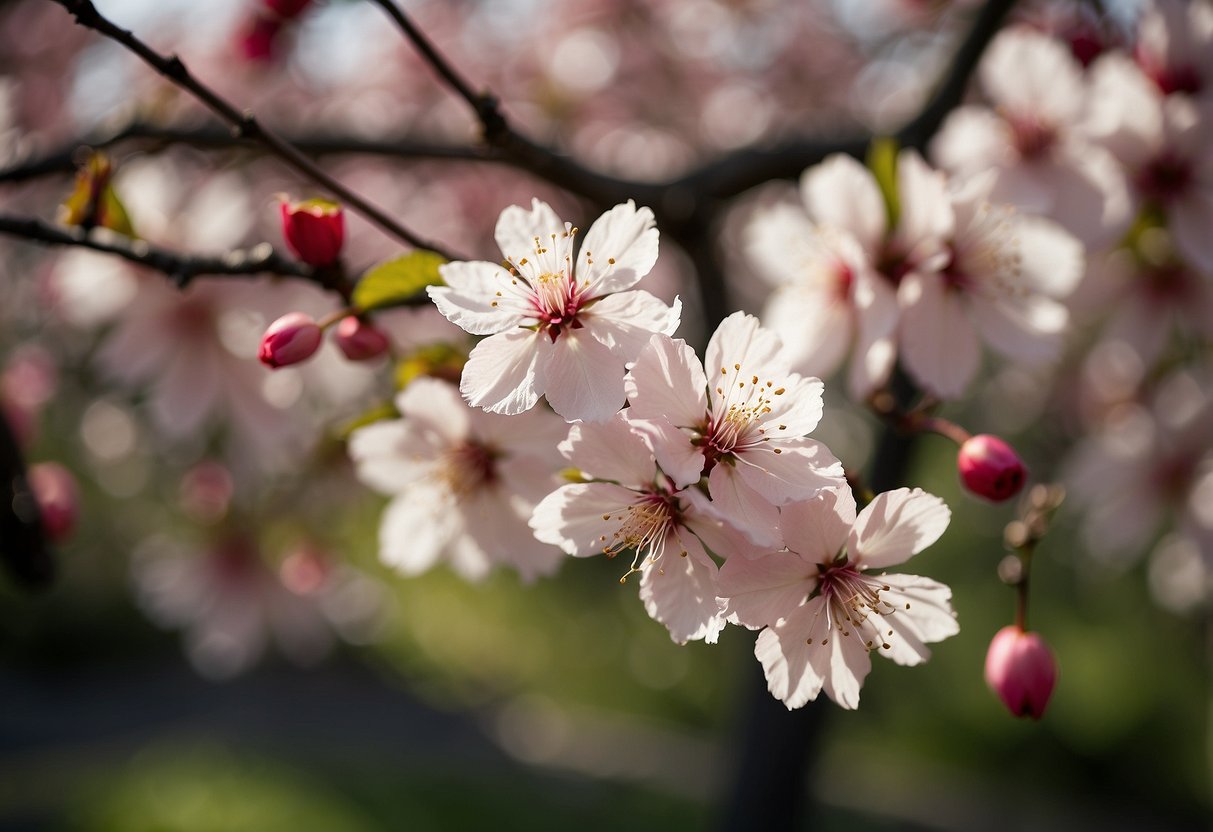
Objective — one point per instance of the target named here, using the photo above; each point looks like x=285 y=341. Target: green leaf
x=398 y=281
x=882 y=161
x=438 y=360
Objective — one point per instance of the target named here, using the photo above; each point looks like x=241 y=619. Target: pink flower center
x=851 y=600
x=1165 y=178
x=1031 y=136
x=644 y=527
x=747 y=402
x=556 y=302
x=468 y=468
x=1182 y=78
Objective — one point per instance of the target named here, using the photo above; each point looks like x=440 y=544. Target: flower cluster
x=678 y=464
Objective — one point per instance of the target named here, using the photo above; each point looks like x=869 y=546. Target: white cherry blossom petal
x=817 y=529
x=610 y=450
x=762 y=590
x=668 y=382
x=744 y=507
x=517 y=229
x=788 y=652
x=680 y=591
x=619 y=249
x=502 y=374
x=581 y=378
x=794 y=470
x=842 y=192
x=896 y=526
x=416 y=526
x=938 y=343
x=576 y=517
x=481 y=298
x=625 y=322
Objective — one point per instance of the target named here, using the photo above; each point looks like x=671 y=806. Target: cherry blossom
x=835 y=263
x=823 y=614
x=1175 y=45
x=1000 y=284
x=1163 y=143
x=631 y=505
x=1034 y=140
x=556 y=327
x=230 y=604
x=747 y=429
x=463 y=483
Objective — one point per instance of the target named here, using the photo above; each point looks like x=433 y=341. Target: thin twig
x=244 y=124
x=484 y=104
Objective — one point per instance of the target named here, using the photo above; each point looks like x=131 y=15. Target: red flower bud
x=990 y=468
x=258 y=38
x=314 y=230
x=292 y=338
x=287 y=8
x=1020 y=668
x=359 y=340
x=58 y=499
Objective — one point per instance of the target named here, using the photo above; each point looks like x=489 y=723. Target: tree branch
x=182 y=268
x=64 y=159
x=244 y=124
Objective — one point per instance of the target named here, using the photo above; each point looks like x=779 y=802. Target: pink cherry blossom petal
x=896 y=526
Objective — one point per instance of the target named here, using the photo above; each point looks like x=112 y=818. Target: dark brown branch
x=64 y=159
x=675 y=199
x=244 y=124
x=182 y=268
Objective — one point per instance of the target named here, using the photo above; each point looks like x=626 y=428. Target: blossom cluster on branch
x=544 y=405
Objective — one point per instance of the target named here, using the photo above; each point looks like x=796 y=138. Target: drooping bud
x=314 y=230
x=359 y=340
x=990 y=468
x=292 y=338
x=1020 y=668
x=58 y=499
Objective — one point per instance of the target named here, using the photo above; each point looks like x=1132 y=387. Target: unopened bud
x=990 y=468
x=1020 y=668
x=58 y=499
x=359 y=340
x=314 y=230
x=292 y=338
x=258 y=38
x=287 y=8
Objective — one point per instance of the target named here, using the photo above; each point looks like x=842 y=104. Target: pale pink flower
x=1000 y=285
x=744 y=421
x=463 y=483
x=823 y=614
x=556 y=327
x=1175 y=45
x=1033 y=139
x=1166 y=147
x=1146 y=465
x=836 y=263
x=230 y=604
x=631 y=505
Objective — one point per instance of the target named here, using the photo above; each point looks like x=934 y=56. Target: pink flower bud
x=258 y=38
x=990 y=467
x=287 y=8
x=1020 y=668
x=359 y=340
x=58 y=499
x=289 y=340
x=314 y=230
